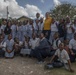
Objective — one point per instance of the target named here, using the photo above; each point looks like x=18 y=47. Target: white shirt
x=34 y=42
x=63 y=55
x=72 y=44
x=74 y=26
x=3 y=45
x=35 y=26
x=55 y=43
x=20 y=43
x=26 y=44
x=69 y=30
x=3 y=27
x=41 y=26
x=54 y=27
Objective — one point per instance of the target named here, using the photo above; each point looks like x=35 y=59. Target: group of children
x=23 y=37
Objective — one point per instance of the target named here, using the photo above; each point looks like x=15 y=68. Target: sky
x=29 y=8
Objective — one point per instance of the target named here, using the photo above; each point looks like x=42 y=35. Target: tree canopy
x=64 y=10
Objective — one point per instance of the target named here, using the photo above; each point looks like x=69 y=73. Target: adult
x=42 y=50
x=47 y=24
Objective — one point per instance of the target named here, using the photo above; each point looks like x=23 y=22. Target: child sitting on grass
x=63 y=57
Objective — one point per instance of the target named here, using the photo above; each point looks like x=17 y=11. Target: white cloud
x=32 y=10
x=57 y=2
x=16 y=11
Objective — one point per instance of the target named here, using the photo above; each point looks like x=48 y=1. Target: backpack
x=7 y=30
x=56 y=42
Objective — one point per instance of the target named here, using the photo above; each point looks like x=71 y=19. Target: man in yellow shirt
x=47 y=25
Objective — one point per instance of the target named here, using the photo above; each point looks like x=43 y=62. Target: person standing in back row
x=36 y=23
x=47 y=24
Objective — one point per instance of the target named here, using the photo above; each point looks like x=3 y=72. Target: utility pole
x=7 y=12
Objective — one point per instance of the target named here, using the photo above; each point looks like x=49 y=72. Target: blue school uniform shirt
x=14 y=28
x=9 y=44
x=14 y=31
x=24 y=29
x=29 y=30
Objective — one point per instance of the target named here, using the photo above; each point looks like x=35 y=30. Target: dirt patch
x=27 y=66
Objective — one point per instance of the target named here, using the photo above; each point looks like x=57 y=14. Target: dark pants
x=74 y=51
x=47 y=33
x=72 y=57
x=41 y=54
x=2 y=53
x=32 y=53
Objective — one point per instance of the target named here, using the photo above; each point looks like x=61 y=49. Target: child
x=26 y=47
x=63 y=57
x=54 y=28
x=55 y=43
x=41 y=26
x=9 y=53
x=17 y=46
x=19 y=31
x=30 y=28
x=36 y=23
x=2 y=46
x=14 y=29
x=3 y=27
x=69 y=27
x=24 y=30
x=7 y=30
x=66 y=46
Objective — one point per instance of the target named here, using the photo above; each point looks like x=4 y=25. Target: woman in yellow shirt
x=47 y=25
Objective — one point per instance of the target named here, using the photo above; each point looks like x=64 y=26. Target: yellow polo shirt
x=47 y=23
